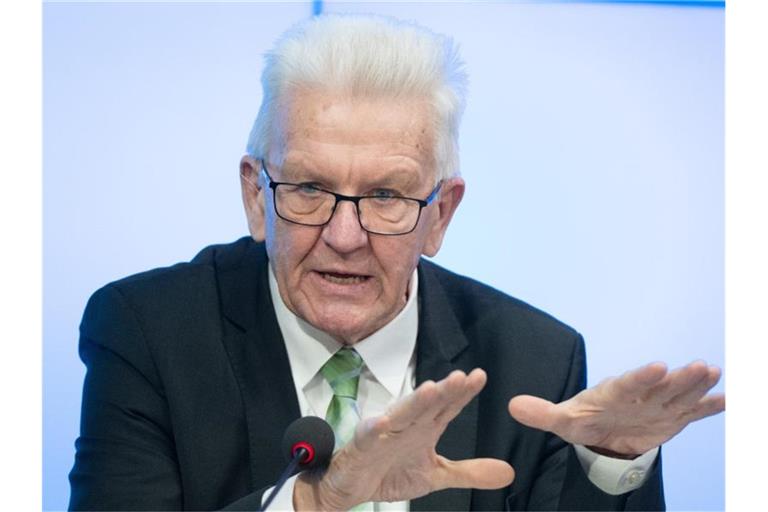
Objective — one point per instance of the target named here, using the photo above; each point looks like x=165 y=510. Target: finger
x=678 y=382
x=427 y=401
x=534 y=412
x=636 y=382
x=484 y=473
x=473 y=384
x=406 y=410
x=451 y=389
x=707 y=406
x=694 y=393
x=447 y=390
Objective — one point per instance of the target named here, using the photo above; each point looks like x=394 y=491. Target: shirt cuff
x=284 y=498
x=615 y=476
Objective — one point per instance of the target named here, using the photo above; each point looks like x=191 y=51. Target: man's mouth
x=338 y=278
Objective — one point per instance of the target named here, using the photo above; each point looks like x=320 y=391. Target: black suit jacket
x=189 y=389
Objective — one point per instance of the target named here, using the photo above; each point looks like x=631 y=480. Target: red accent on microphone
x=310 y=451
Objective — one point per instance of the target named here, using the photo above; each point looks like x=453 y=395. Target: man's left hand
x=628 y=415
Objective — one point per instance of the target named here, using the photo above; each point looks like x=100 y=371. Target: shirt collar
x=387 y=352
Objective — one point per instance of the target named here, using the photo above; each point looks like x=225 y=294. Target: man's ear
x=253 y=196
x=451 y=193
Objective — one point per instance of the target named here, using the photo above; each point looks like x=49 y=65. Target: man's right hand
x=392 y=457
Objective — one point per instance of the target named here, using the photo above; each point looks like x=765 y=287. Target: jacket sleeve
x=562 y=484
x=125 y=455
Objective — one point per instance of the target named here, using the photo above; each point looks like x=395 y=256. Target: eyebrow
x=398 y=177
x=297 y=172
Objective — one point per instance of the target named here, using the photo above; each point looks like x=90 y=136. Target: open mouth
x=335 y=278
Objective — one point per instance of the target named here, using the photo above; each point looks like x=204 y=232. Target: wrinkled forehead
x=365 y=123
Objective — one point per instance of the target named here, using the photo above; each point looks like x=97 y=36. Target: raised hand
x=392 y=457
x=630 y=414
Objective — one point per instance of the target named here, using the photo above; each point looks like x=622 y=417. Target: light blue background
x=592 y=148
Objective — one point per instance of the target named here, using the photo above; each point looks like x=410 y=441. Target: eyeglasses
x=381 y=214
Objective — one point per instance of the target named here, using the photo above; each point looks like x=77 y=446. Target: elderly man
x=436 y=386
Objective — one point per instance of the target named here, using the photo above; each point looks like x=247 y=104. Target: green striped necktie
x=342 y=371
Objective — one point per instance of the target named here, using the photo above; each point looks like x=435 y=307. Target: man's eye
x=308 y=188
x=383 y=193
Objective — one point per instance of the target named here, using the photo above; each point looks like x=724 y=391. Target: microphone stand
x=297 y=457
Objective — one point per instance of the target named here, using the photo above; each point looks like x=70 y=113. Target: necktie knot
x=342 y=371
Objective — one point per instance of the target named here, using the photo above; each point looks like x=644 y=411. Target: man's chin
x=346 y=328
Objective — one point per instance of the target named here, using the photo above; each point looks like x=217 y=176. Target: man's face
x=339 y=278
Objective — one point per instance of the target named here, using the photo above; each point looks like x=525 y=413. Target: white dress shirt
x=389 y=374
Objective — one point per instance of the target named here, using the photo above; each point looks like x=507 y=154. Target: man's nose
x=343 y=232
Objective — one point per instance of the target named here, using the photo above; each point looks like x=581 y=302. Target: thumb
x=534 y=412
x=483 y=473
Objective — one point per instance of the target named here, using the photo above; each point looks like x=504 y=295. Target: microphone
x=312 y=438
x=307 y=444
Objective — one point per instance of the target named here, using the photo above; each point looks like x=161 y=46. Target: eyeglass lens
x=314 y=207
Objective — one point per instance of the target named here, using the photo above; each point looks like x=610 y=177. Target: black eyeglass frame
x=353 y=199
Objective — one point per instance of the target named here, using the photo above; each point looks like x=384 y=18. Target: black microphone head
x=313 y=434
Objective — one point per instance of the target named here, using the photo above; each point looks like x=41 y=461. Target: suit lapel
x=441 y=347
x=256 y=350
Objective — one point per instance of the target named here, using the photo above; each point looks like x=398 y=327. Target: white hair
x=367 y=56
